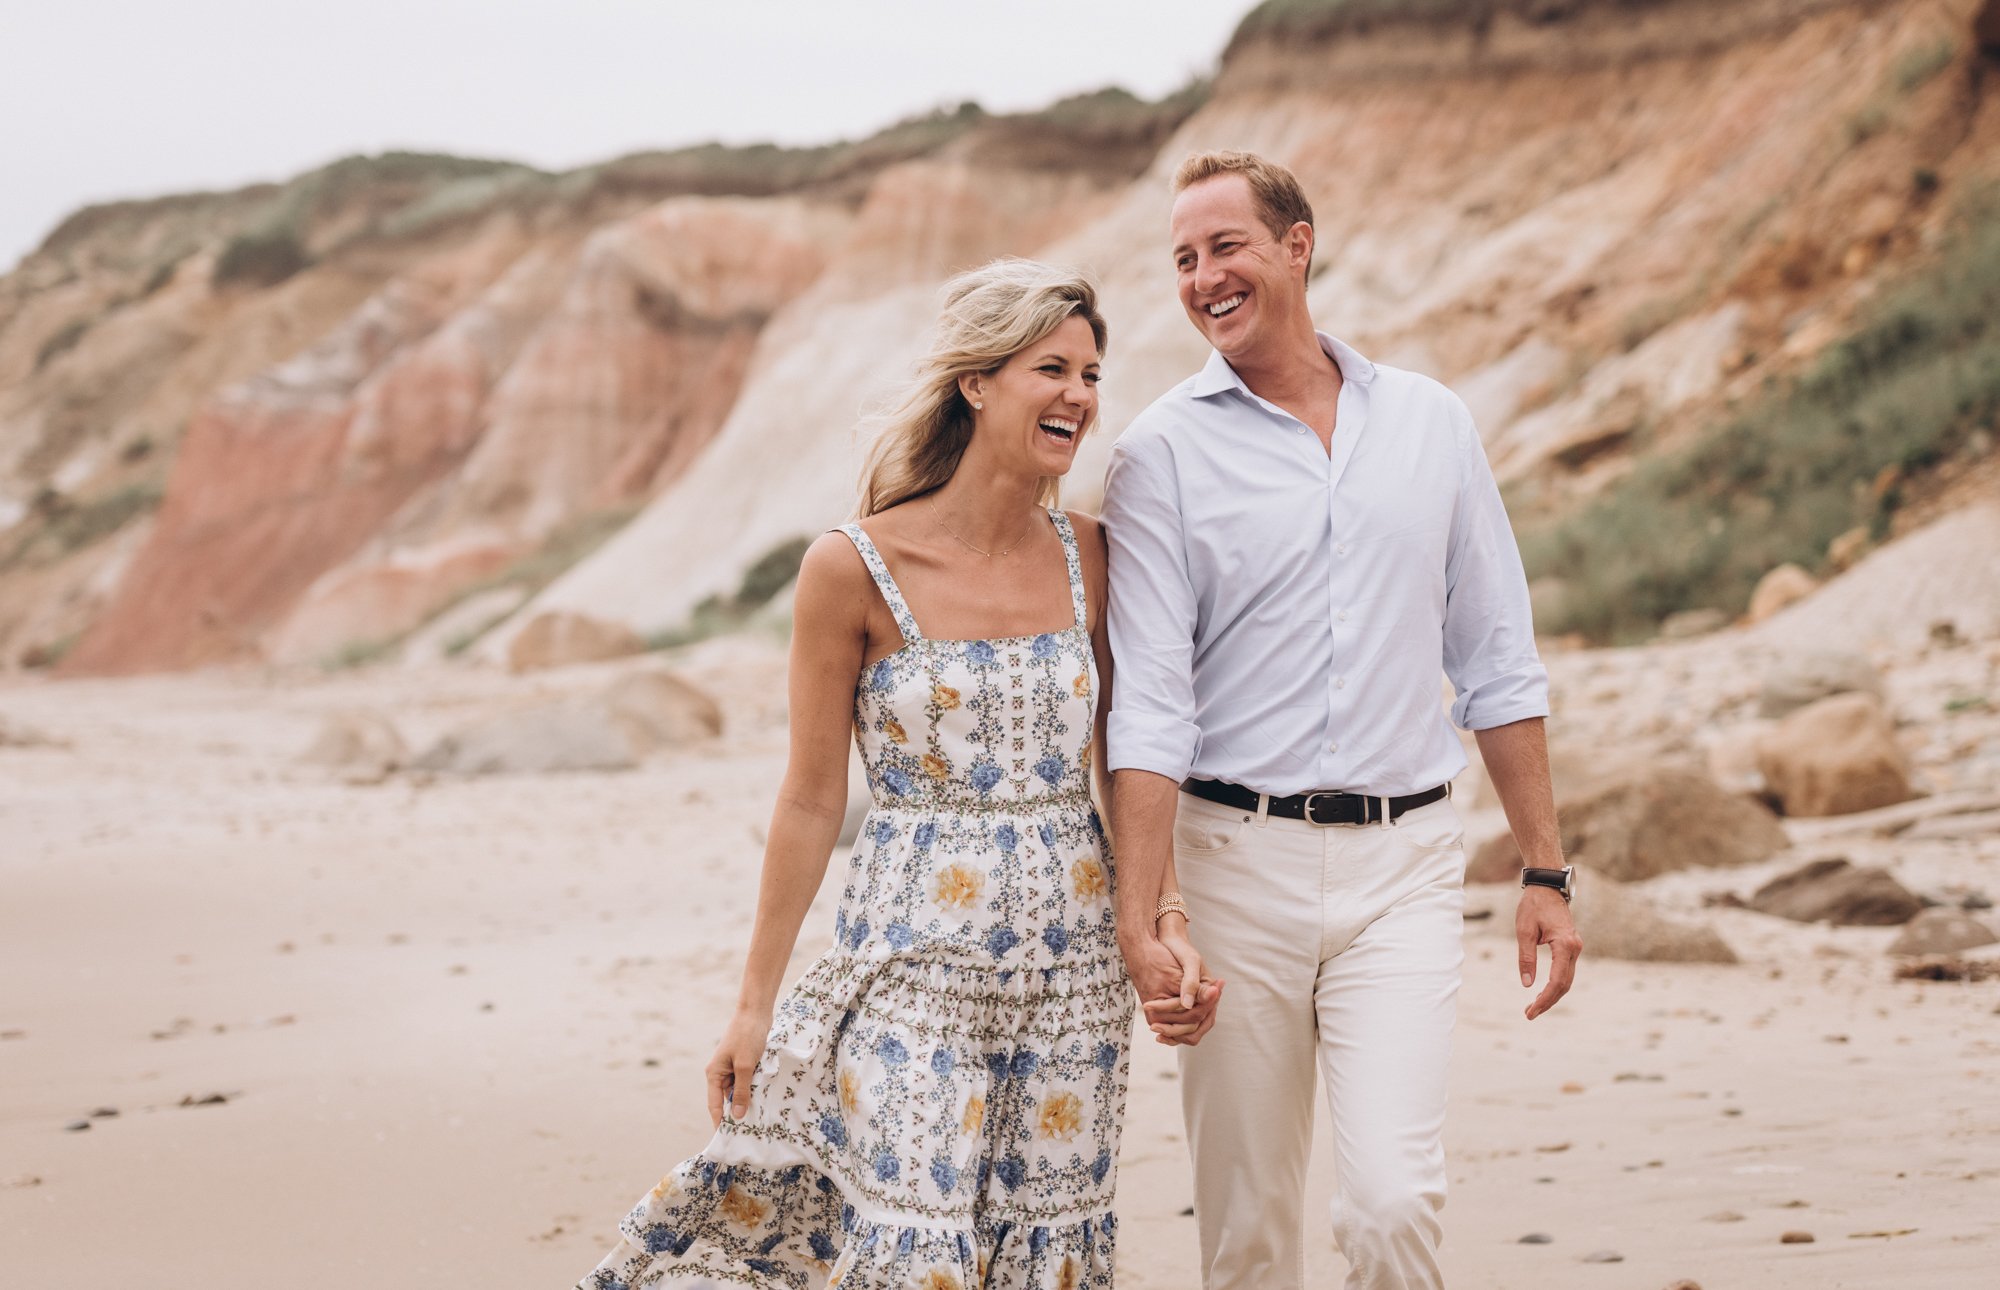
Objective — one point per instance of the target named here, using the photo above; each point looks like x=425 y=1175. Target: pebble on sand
x=1724 y=1216
x=213 y=1099
x=76 y=1126
x=1604 y=1256
x=1796 y=1238
x=1536 y=1238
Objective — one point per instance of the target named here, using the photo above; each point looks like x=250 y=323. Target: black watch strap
x=1559 y=879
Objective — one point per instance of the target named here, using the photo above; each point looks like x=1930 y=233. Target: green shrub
x=79 y=524
x=61 y=343
x=769 y=574
x=1917 y=66
x=1697 y=527
x=260 y=259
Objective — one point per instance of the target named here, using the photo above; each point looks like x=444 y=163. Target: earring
x=978 y=407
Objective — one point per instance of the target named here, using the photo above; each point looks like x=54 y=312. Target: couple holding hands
x=1241 y=656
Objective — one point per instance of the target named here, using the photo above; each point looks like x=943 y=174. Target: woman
x=937 y=1102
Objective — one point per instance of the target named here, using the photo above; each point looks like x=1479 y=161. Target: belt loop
x=1263 y=809
x=1389 y=821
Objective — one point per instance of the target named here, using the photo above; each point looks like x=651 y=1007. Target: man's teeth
x=1222 y=307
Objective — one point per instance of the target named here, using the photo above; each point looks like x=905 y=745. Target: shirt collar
x=1217 y=375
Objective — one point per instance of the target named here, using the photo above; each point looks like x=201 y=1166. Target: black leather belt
x=1315 y=808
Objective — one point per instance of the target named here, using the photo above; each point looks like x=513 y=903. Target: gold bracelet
x=1170 y=904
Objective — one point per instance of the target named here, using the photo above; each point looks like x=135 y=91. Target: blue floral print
x=978 y=1037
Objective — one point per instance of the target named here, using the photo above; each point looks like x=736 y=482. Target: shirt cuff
x=1504 y=699
x=1150 y=741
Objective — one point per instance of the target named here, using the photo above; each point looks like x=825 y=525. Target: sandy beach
x=444 y=1031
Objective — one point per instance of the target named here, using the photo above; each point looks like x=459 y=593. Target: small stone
x=76 y=1126
x=104 y=1113
x=1796 y=1204
x=1796 y=1238
x=1604 y=1256
x=213 y=1099
x=1685 y=1284
x=1546 y=1178
x=1536 y=1238
x=1553 y=1147
x=486 y=1007
x=1974 y=900
x=1723 y=1216
x=1572 y=1087
x=1188 y=1212
x=1732 y=1110
x=650 y=1061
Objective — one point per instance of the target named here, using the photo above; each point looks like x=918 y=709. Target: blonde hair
x=990 y=314
x=1281 y=203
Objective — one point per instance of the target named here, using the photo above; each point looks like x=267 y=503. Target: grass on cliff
x=1276 y=21
x=1813 y=458
x=769 y=574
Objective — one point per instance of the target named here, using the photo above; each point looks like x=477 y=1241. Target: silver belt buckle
x=1309 y=807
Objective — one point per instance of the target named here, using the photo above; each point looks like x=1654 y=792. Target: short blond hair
x=1281 y=203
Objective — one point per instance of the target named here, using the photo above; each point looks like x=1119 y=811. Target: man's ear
x=1299 y=245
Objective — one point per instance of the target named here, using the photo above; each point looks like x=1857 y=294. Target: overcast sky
x=103 y=99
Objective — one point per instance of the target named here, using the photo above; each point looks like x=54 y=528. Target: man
x=1301 y=540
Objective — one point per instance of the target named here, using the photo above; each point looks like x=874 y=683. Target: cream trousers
x=1342 y=950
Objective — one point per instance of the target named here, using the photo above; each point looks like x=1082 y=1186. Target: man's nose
x=1206 y=275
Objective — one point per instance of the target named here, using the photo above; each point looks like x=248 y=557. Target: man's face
x=1239 y=283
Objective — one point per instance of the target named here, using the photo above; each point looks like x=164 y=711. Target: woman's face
x=1040 y=402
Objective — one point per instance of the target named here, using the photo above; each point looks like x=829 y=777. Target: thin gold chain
x=938 y=515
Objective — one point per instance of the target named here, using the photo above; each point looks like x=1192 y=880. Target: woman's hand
x=735 y=1061
x=1184 y=1017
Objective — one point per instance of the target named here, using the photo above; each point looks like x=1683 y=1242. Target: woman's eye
x=1092 y=377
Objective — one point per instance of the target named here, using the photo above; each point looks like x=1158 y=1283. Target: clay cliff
x=297 y=423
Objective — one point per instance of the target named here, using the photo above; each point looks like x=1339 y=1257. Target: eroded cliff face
x=1600 y=221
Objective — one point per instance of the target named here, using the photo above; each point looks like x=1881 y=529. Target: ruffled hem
x=715 y=1225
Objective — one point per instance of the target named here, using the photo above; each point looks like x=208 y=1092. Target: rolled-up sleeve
x=1489 y=631
x=1152 y=614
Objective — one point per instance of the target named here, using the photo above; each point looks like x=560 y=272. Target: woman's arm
x=829 y=640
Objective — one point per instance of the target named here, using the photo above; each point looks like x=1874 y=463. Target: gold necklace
x=938 y=515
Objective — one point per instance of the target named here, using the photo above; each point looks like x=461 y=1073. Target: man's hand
x=1178 y=1000
x=1543 y=919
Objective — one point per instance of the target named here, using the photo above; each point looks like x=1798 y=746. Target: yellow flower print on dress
x=1081 y=686
x=944 y=696
x=666 y=1189
x=743 y=1209
x=975 y=1114
x=942 y=1279
x=894 y=729
x=1083 y=758
x=1062 y=1117
x=1088 y=875
x=958 y=886
x=850 y=1092
x=1071 y=1275
x=936 y=767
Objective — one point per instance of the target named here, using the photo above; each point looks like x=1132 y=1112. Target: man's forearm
x=1517 y=763
x=1142 y=819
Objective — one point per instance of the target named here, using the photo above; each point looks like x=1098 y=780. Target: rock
x=1889 y=821
x=1636 y=819
x=1975 y=824
x=1849 y=547
x=1838 y=892
x=556 y=638
x=610 y=730
x=1942 y=931
x=1986 y=27
x=1796 y=1238
x=1691 y=623
x=1723 y=1216
x=1616 y=922
x=77 y=1126
x=1732 y=758
x=1684 y=1284
x=1806 y=678
x=1536 y=1238
x=1782 y=586
x=1604 y=1256
x=1834 y=757
x=362 y=745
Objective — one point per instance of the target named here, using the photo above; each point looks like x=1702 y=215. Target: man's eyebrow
x=1219 y=233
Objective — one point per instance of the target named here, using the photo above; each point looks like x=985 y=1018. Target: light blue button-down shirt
x=1280 y=617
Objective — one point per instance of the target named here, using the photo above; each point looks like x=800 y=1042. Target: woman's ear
x=973 y=386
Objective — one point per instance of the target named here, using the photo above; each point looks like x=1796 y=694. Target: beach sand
x=457 y=1027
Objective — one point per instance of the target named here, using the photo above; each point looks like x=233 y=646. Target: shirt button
x=1340 y=683
x=1343 y=615
x=1333 y=747
x=1341 y=549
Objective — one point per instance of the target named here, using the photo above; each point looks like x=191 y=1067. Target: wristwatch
x=1563 y=880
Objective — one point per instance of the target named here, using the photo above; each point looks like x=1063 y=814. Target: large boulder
x=1839 y=892
x=1808 y=677
x=363 y=747
x=1616 y=922
x=1634 y=819
x=1835 y=757
x=611 y=729
x=1943 y=931
x=1986 y=27
x=557 y=639
x=1785 y=585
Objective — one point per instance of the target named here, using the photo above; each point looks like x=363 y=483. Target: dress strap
x=906 y=622
x=1075 y=563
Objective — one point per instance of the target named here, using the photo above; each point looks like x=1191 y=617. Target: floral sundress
x=939 y=1103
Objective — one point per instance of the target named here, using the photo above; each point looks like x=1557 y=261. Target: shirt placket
x=1342 y=690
